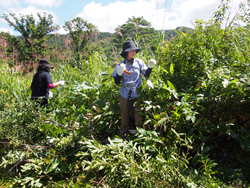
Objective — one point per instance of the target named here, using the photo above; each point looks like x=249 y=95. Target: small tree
x=4 y=45
x=34 y=34
x=80 y=32
x=136 y=29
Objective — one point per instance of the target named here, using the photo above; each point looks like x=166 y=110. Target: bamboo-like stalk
x=118 y=61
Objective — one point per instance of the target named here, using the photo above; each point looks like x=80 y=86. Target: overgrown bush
x=195 y=120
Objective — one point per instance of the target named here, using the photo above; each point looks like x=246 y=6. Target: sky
x=107 y=15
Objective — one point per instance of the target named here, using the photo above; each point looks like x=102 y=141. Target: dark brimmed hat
x=128 y=46
x=46 y=63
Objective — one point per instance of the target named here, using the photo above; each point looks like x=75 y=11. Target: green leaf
x=190 y=132
x=64 y=166
x=197 y=88
x=234 y=81
x=242 y=145
x=142 y=131
x=171 y=85
x=196 y=156
x=198 y=121
x=146 y=122
x=53 y=167
x=175 y=132
x=117 y=140
x=233 y=134
x=206 y=149
x=207 y=93
x=161 y=121
x=171 y=68
x=163 y=115
x=167 y=71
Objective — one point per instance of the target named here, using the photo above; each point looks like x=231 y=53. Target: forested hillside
x=195 y=114
x=58 y=40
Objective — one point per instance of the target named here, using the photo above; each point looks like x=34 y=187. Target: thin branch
x=101 y=180
x=30 y=146
x=18 y=163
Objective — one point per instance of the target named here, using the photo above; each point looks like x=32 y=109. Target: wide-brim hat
x=128 y=46
x=46 y=63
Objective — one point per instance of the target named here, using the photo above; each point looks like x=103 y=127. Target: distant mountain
x=57 y=41
x=169 y=34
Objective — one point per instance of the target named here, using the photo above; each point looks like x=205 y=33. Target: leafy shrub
x=195 y=120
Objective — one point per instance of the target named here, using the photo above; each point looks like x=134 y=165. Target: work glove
x=121 y=69
x=50 y=94
x=151 y=63
x=62 y=82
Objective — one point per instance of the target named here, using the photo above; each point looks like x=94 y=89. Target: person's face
x=131 y=54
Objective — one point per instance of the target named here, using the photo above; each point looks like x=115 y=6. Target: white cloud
x=7 y=30
x=61 y=31
x=31 y=10
x=45 y=3
x=182 y=13
x=9 y=3
x=107 y=18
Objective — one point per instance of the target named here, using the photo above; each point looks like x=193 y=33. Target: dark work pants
x=124 y=106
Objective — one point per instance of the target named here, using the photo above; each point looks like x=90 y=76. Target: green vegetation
x=80 y=32
x=34 y=35
x=195 y=120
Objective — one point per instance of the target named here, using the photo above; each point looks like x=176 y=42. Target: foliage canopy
x=35 y=33
x=195 y=120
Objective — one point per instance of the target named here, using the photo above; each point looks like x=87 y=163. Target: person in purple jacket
x=130 y=117
x=42 y=83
